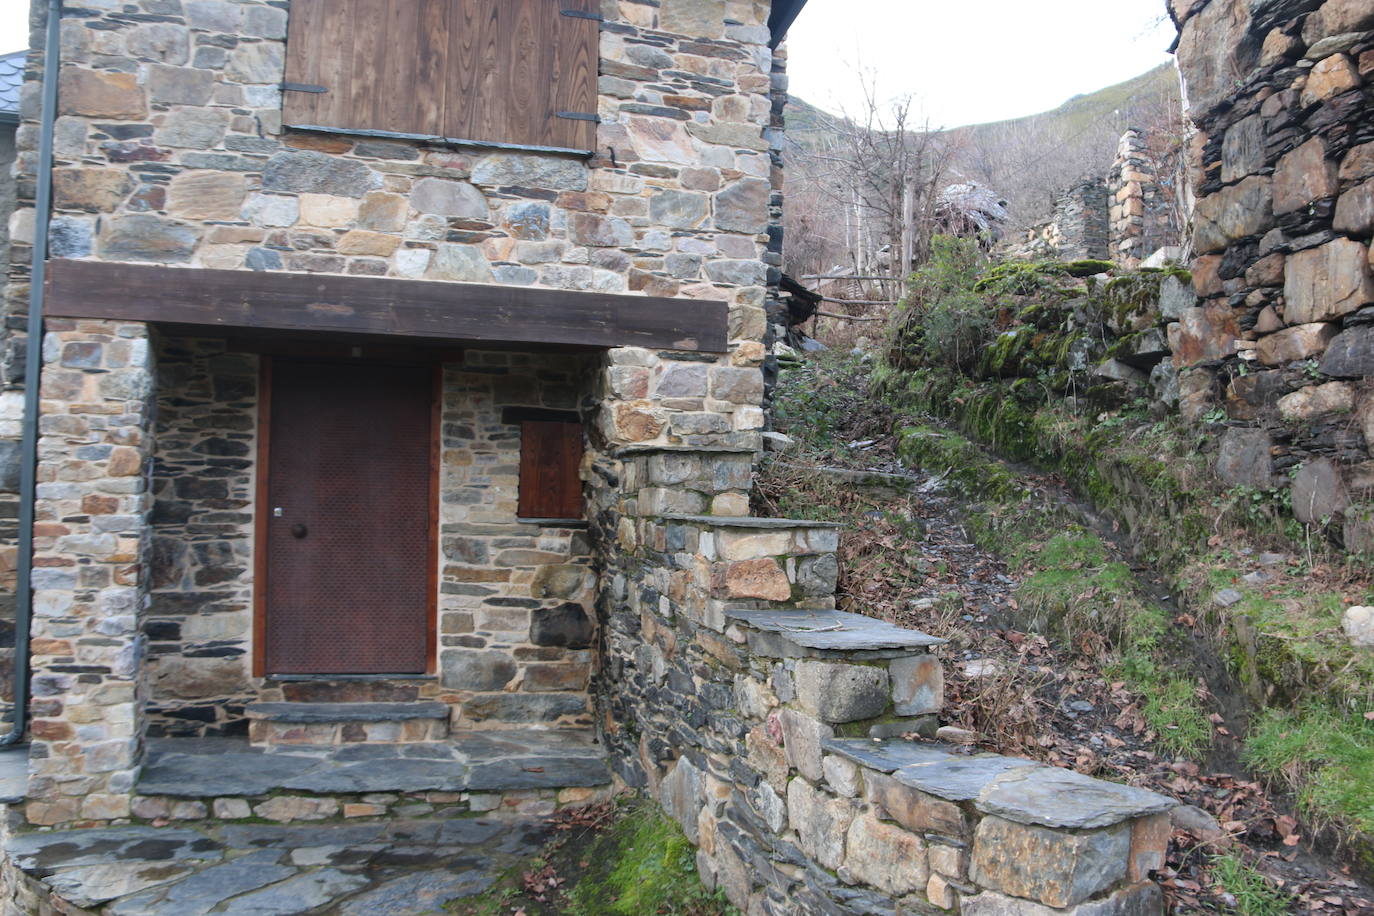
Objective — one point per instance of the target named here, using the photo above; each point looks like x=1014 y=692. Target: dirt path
x=909 y=557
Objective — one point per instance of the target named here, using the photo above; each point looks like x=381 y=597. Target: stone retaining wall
x=1283 y=164
x=767 y=724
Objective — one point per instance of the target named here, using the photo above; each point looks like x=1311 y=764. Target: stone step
x=829 y=634
x=850 y=670
x=346 y=723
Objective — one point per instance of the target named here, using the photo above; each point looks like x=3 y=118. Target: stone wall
x=170 y=150
x=767 y=724
x=1283 y=167
x=514 y=598
x=1078 y=229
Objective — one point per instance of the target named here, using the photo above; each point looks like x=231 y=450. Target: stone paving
x=382 y=868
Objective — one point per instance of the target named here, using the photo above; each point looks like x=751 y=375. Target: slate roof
x=11 y=77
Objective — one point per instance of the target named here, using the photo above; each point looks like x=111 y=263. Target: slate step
x=272 y=724
x=829 y=634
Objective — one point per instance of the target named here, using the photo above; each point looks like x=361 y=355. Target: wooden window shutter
x=550 y=456
x=518 y=72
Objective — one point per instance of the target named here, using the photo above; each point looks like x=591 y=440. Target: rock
x=821 y=822
x=567 y=625
x=1303 y=176
x=1234 y=213
x=678 y=209
x=233 y=774
x=1299 y=342
x=1358 y=623
x=918 y=685
x=531 y=171
x=88 y=886
x=446 y=197
x=762 y=578
x=802 y=737
x=97 y=94
x=1244 y=458
x=179 y=85
x=145 y=237
x=1143 y=899
x=257 y=62
x=1355 y=211
x=956 y=735
x=1329 y=78
x=200 y=893
x=1226 y=597
x=1243 y=149
x=1174 y=297
x=743 y=206
x=1317 y=400
x=1118 y=371
x=697 y=18
x=296 y=808
x=1327 y=282
x=884 y=856
x=203 y=195
x=681 y=793
x=1052 y=797
x=92 y=190
x=1318 y=492
x=600 y=231
x=476 y=669
x=1206 y=333
x=841 y=775
x=1197 y=822
x=738 y=273
x=1056 y=868
x=382 y=211
x=300 y=894
x=527 y=220
x=463 y=263
x=837 y=692
x=307 y=171
x=1350 y=354
x=1337 y=16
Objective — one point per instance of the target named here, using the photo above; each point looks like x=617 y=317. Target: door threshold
x=352 y=677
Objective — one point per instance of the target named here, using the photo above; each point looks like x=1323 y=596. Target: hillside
x=1028 y=160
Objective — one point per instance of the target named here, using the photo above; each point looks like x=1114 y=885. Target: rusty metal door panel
x=349 y=519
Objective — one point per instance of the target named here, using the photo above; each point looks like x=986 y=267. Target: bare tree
x=863 y=198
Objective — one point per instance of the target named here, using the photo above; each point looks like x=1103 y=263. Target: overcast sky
x=966 y=61
x=971 y=61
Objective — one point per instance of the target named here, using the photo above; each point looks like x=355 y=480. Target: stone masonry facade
x=1282 y=340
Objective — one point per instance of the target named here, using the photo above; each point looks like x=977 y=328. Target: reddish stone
x=1204 y=333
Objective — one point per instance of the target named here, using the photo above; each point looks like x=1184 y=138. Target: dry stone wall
x=767 y=724
x=1283 y=166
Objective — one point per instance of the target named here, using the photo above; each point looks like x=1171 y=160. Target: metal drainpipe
x=33 y=363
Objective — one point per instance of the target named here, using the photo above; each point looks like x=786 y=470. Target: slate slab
x=86 y=886
x=1053 y=797
x=416 y=894
x=828 y=631
x=306 y=713
x=202 y=892
x=538 y=773
x=40 y=853
x=260 y=836
x=222 y=774
x=959 y=778
x=887 y=756
x=299 y=894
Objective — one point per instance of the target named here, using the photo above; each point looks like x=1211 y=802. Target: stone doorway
x=346 y=545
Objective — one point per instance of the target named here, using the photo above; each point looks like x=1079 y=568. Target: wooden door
x=347 y=524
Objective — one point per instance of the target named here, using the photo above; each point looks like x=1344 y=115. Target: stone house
x=388 y=380
x=340 y=307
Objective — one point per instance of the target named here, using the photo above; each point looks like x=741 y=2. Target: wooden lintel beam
x=414 y=309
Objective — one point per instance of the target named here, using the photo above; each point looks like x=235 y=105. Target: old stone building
x=1282 y=335
x=394 y=414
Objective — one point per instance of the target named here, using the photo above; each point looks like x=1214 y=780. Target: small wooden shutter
x=550 y=456
x=492 y=71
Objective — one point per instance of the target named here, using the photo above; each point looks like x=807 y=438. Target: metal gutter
x=784 y=13
x=33 y=364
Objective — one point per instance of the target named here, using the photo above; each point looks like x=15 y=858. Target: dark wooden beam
x=414 y=309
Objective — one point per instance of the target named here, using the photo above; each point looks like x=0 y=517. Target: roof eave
x=781 y=19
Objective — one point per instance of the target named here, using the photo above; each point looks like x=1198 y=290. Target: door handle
x=299 y=531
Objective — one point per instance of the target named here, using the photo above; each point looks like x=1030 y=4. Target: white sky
x=966 y=62
x=972 y=61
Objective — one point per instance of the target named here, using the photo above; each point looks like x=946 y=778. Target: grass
x=1254 y=895
x=1326 y=754
x=643 y=865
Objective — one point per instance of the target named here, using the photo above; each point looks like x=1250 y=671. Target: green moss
x=642 y=865
x=1088 y=267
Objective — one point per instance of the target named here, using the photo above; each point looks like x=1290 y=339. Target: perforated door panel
x=347 y=563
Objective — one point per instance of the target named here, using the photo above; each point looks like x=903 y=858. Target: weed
x=1253 y=893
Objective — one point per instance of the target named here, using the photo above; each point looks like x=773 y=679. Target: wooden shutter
x=550 y=456
x=487 y=71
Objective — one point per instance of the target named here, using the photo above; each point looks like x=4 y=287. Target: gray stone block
x=839 y=692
